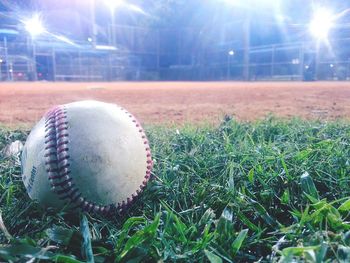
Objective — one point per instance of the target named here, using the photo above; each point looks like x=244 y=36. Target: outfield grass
x=241 y=192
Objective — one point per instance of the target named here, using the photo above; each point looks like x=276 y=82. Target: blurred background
x=109 y=40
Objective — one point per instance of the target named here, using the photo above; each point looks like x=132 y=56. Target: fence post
x=273 y=55
x=53 y=64
x=301 y=61
x=246 y=55
x=7 y=59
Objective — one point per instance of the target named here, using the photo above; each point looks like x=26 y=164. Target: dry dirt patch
x=23 y=103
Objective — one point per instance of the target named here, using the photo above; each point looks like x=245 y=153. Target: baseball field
x=262 y=186
x=182 y=102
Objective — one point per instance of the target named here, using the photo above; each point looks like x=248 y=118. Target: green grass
x=242 y=192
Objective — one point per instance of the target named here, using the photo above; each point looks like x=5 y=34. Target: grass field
x=267 y=191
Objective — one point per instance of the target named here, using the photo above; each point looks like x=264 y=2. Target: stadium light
x=231 y=52
x=321 y=23
x=34 y=25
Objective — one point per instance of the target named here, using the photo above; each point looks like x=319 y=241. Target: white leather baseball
x=88 y=154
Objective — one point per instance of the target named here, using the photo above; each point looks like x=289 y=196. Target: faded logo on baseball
x=28 y=181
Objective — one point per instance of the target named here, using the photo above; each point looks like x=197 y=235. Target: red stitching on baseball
x=50 y=140
x=52 y=170
x=60 y=117
x=56 y=177
x=63 y=163
x=50 y=162
x=60 y=143
x=62 y=155
x=49 y=126
x=64 y=171
x=72 y=195
x=62 y=149
x=62 y=135
x=64 y=190
x=59 y=130
x=63 y=183
x=56 y=152
x=58 y=161
x=50 y=134
x=130 y=200
x=52 y=121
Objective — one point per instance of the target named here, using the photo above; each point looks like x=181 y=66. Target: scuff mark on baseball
x=90 y=155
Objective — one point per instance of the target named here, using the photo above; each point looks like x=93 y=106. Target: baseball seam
x=57 y=163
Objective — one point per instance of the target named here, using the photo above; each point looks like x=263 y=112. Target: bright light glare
x=64 y=39
x=113 y=4
x=104 y=47
x=136 y=9
x=231 y=52
x=321 y=24
x=34 y=25
x=252 y=4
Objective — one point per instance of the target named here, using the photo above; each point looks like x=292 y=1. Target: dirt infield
x=180 y=102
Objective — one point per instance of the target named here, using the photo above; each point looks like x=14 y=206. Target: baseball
x=89 y=155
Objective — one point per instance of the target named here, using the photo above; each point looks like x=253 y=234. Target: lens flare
x=321 y=23
x=34 y=25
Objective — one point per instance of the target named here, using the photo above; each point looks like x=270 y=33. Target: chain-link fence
x=134 y=53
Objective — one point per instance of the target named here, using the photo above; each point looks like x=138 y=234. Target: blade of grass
x=86 y=248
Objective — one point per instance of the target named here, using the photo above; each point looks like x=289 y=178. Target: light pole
x=249 y=9
x=246 y=43
x=93 y=23
x=321 y=24
x=246 y=7
x=6 y=59
x=230 y=54
x=35 y=28
x=112 y=28
x=112 y=6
